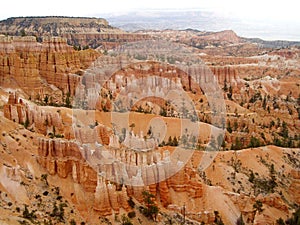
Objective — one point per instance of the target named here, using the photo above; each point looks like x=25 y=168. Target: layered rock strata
x=92 y=32
x=66 y=158
x=41 y=68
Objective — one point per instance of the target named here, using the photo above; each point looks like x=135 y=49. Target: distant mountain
x=179 y=20
x=272 y=44
x=79 y=31
x=95 y=32
x=53 y=25
x=205 y=20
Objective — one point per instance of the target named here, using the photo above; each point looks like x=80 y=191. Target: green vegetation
x=171 y=142
x=29 y=215
x=77 y=47
x=229 y=129
x=258 y=206
x=294 y=220
x=48 y=101
x=280 y=221
x=229 y=94
x=125 y=220
x=72 y=222
x=254 y=142
x=131 y=214
x=44 y=178
x=218 y=219
x=26 y=123
x=140 y=57
x=236 y=164
x=58 y=212
x=54 y=134
x=255 y=97
x=240 y=220
x=264 y=185
x=131 y=202
x=251 y=177
x=68 y=101
x=151 y=209
x=163 y=112
x=23 y=33
x=237 y=145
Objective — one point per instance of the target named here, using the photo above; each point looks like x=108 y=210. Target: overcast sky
x=266 y=19
x=287 y=10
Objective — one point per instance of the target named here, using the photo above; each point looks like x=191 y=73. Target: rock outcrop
x=34 y=117
x=15 y=109
x=92 y=32
x=51 y=67
x=118 y=77
x=295 y=186
x=228 y=36
x=66 y=158
x=225 y=75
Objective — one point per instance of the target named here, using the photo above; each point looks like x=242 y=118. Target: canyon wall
x=41 y=68
x=34 y=117
x=125 y=79
x=295 y=185
x=65 y=158
x=92 y=32
x=110 y=172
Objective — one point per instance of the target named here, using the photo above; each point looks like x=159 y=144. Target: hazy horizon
x=259 y=19
x=205 y=20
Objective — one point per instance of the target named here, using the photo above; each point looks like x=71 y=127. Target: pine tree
x=240 y=220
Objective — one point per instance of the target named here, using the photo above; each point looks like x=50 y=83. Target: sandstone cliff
x=51 y=67
x=66 y=160
x=79 y=31
x=87 y=163
x=295 y=185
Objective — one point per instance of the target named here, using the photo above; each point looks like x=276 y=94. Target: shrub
x=218 y=219
x=240 y=221
x=28 y=215
x=44 y=178
x=257 y=206
x=26 y=123
x=125 y=220
x=254 y=142
x=280 y=221
x=58 y=212
x=151 y=210
x=295 y=220
x=131 y=202
x=131 y=214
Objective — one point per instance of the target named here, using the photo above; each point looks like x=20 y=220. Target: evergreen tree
x=175 y=141
x=264 y=104
x=295 y=220
x=254 y=142
x=257 y=206
x=151 y=209
x=68 y=101
x=46 y=99
x=240 y=220
x=229 y=129
x=280 y=221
